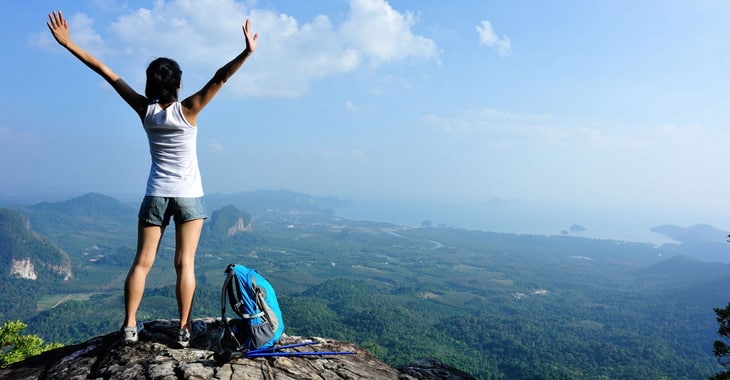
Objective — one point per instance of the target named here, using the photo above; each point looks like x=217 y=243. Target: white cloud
x=200 y=32
x=488 y=37
x=384 y=34
x=293 y=55
x=203 y=35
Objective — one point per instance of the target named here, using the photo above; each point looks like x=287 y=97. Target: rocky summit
x=156 y=356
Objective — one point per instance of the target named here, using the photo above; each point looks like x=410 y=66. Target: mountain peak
x=155 y=356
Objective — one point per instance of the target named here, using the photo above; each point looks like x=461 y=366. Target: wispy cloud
x=81 y=27
x=488 y=37
x=567 y=158
x=494 y=127
x=346 y=155
x=352 y=107
x=216 y=146
x=11 y=137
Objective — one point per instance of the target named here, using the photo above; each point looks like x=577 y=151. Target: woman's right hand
x=59 y=28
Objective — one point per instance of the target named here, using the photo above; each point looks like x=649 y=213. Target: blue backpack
x=252 y=298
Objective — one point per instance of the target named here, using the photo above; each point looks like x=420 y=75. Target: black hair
x=163 y=80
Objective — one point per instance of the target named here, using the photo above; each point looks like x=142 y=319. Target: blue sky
x=609 y=106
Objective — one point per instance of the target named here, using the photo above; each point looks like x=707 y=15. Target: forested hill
x=91 y=219
x=31 y=266
x=496 y=305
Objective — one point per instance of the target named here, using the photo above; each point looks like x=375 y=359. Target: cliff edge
x=156 y=356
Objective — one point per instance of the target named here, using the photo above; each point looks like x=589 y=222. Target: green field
x=53 y=300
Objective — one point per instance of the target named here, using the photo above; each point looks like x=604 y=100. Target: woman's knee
x=145 y=259
x=141 y=267
x=185 y=263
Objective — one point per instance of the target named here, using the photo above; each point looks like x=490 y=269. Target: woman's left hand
x=250 y=40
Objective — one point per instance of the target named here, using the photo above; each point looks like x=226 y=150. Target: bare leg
x=148 y=242
x=187 y=236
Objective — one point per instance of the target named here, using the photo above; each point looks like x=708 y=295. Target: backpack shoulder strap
x=226 y=291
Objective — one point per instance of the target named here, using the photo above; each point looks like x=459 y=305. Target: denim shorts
x=158 y=210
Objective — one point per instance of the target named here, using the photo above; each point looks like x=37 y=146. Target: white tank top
x=173 y=147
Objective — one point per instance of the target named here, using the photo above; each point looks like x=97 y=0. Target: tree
x=720 y=348
x=15 y=347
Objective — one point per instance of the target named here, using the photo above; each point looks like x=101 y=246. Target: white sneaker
x=130 y=335
x=184 y=337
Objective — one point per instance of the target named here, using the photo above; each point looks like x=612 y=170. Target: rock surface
x=156 y=356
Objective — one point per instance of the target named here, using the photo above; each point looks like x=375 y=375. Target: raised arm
x=59 y=28
x=196 y=102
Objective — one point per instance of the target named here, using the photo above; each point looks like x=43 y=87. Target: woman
x=174 y=187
